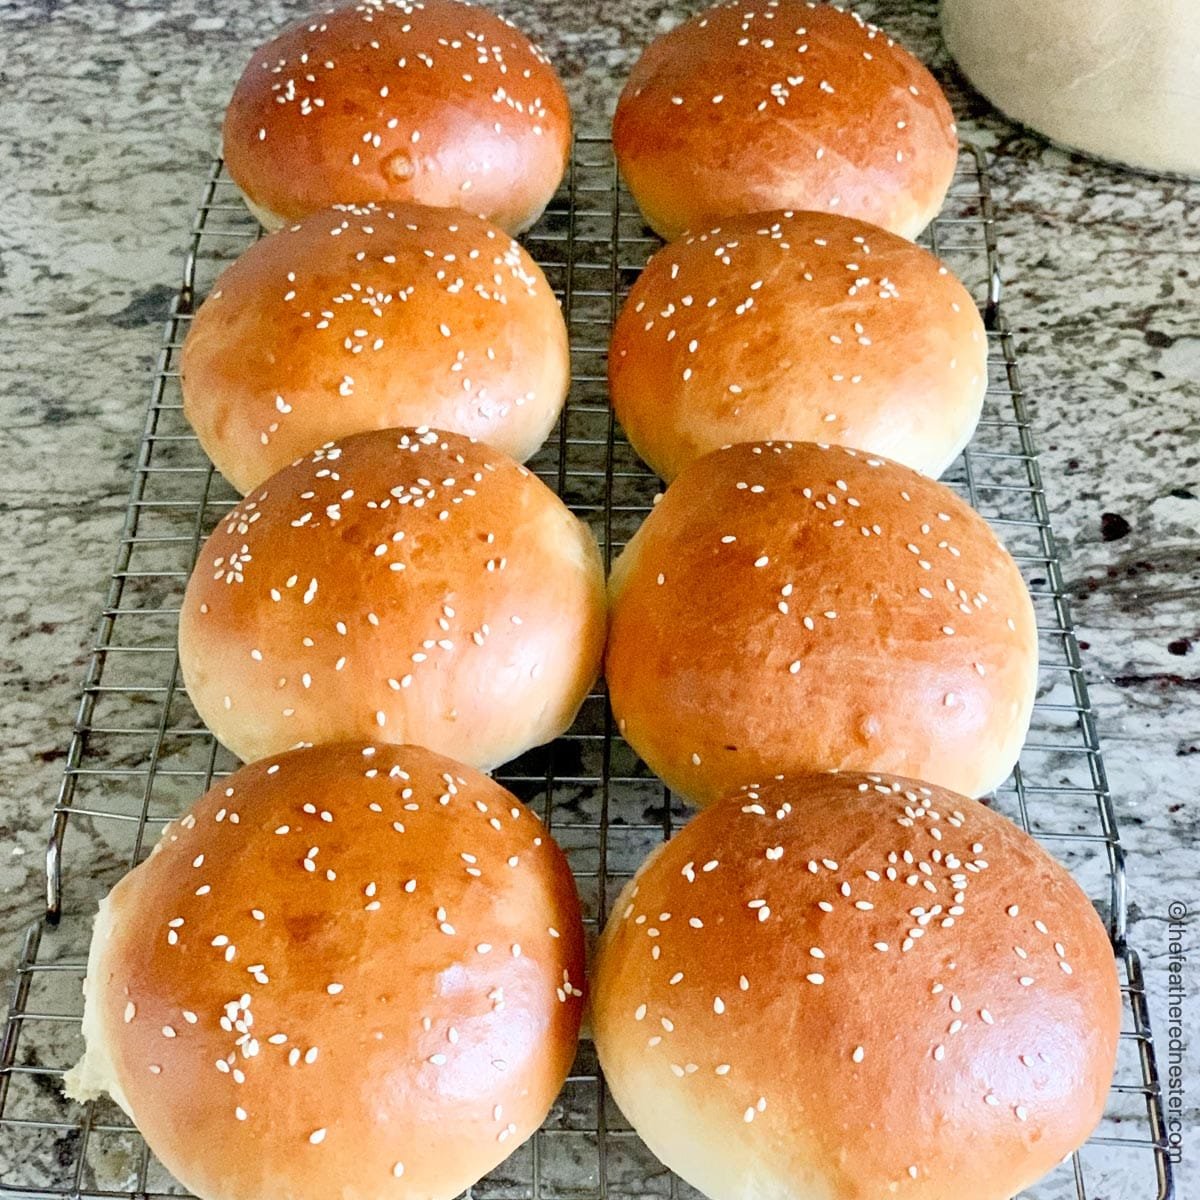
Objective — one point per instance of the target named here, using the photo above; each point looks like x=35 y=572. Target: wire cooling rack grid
x=139 y=754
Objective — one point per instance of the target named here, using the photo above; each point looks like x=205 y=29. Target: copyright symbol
x=1177 y=910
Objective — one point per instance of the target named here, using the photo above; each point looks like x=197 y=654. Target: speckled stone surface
x=112 y=112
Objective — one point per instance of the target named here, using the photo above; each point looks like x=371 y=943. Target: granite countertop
x=112 y=109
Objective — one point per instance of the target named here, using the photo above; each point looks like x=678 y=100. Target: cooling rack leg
x=1118 y=912
x=54 y=868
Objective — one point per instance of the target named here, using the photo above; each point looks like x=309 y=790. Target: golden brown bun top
x=848 y=985
x=348 y=971
x=369 y=318
x=801 y=325
x=437 y=101
x=405 y=585
x=752 y=106
x=796 y=607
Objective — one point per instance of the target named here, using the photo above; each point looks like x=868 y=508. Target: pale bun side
x=401 y=585
x=792 y=607
x=1119 y=79
x=439 y=103
x=350 y=971
x=798 y=325
x=856 y=986
x=372 y=318
x=750 y=107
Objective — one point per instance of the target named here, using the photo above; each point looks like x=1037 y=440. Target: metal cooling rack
x=139 y=754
